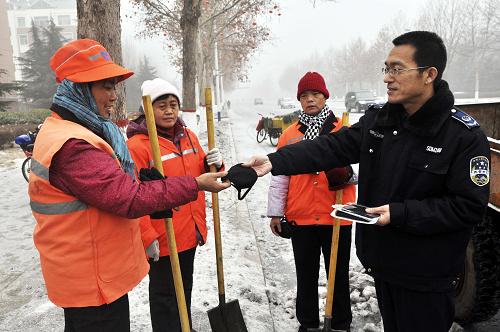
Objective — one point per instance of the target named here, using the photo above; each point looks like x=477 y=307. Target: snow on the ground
x=278 y=263
x=259 y=269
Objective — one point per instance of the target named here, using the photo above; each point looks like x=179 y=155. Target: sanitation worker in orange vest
x=85 y=197
x=182 y=155
x=306 y=202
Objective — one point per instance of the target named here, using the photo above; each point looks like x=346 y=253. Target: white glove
x=214 y=158
x=153 y=250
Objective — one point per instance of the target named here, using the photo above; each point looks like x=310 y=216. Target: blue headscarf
x=78 y=99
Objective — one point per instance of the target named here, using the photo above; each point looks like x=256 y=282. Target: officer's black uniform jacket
x=419 y=165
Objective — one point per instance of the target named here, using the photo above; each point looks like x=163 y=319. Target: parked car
x=361 y=100
x=286 y=103
x=258 y=101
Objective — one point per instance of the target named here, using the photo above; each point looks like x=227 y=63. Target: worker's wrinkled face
x=312 y=102
x=166 y=111
x=104 y=93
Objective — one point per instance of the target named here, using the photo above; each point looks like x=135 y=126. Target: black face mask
x=241 y=178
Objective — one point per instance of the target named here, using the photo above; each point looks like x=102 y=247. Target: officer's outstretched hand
x=208 y=182
x=385 y=214
x=261 y=164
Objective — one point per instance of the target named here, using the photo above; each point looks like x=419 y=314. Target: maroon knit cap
x=312 y=81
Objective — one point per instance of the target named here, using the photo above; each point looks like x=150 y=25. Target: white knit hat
x=159 y=87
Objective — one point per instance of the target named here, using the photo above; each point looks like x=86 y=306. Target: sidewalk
x=243 y=274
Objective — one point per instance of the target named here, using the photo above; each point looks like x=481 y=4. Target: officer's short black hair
x=429 y=49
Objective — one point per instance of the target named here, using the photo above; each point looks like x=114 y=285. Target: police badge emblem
x=480 y=170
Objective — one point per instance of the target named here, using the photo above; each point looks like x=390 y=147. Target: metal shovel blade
x=327 y=327
x=227 y=317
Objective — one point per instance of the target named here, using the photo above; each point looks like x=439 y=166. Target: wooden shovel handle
x=215 y=198
x=172 y=246
x=335 y=246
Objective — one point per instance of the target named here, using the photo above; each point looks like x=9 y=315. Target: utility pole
x=218 y=82
x=216 y=73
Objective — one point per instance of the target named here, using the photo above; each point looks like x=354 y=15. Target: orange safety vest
x=309 y=201
x=188 y=161
x=89 y=257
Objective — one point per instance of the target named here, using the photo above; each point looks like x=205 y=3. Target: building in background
x=22 y=12
x=6 y=59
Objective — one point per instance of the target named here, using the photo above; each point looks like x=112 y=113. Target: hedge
x=35 y=116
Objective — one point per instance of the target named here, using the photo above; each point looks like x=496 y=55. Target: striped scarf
x=314 y=123
x=77 y=98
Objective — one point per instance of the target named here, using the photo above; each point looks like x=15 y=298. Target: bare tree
x=232 y=24
x=444 y=17
x=100 y=20
x=480 y=39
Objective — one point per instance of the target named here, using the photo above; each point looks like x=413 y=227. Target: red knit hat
x=85 y=60
x=312 y=81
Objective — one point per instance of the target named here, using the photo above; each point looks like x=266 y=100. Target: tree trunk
x=100 y=20
x=189 y=25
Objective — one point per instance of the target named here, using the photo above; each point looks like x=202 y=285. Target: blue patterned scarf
x=78 y=99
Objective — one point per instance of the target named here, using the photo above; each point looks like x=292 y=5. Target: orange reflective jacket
x=309 y=201
x=89 y=257
x=188 y=161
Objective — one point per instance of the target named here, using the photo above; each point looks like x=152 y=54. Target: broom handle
x=215 y=199
x=335 y=246
x=172 y=246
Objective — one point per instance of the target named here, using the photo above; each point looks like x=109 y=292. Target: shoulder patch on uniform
x=480 y=170
x=464 y=118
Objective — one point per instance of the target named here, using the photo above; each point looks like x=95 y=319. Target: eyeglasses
x=396 y=71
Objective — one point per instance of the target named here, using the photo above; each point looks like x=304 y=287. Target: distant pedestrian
x=85 y=198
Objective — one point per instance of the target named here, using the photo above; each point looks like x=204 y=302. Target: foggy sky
x=299 y=32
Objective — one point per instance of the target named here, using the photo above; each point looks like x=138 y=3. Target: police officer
x=424 y=167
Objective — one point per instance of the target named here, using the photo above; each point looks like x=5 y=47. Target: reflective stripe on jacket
x=309 y=201
x=89 y=257
x=188 y=161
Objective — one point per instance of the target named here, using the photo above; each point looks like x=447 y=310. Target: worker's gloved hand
x=214 y=157
x=153 y=250
x=338 y=178
x=150 y=174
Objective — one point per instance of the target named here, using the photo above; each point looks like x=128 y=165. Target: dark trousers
x=406 y=310
x=308 y=242
x=113 y=317
x=162 y=299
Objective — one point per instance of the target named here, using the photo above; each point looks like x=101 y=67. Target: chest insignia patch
x=480 y=170
x=433 y=149
x=376 y=134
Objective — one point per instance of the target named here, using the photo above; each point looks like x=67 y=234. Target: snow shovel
x=227 y=316
x=172 y=246
x=327 y=323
